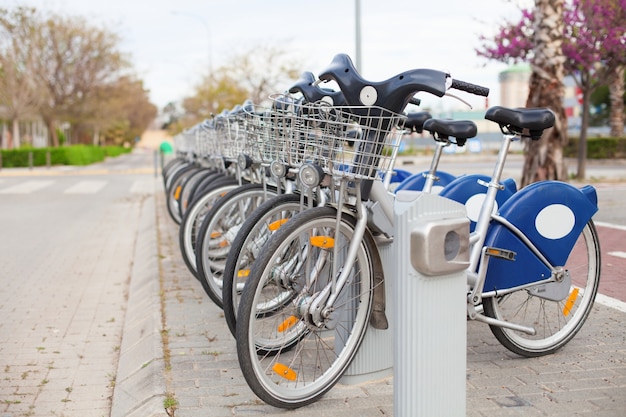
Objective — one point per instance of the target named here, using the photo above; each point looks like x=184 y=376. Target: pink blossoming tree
x=593 y=51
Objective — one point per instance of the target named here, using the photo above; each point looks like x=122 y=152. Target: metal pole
x=357 y=53
x=30 y=160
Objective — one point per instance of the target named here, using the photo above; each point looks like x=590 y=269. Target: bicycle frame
x=481 y=255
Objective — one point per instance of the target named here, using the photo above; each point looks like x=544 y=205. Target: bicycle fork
x=322 y=306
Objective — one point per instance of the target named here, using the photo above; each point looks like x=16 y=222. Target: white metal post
x=429 y=310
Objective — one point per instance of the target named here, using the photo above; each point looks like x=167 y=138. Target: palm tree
x=544 y=158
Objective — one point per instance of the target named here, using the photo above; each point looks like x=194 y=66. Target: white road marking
x=611 y=302
x=27 y=187
x=142 y=187
x=86 y=187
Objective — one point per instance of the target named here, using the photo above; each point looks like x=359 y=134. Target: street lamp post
x=208 y=31
x=357 y=54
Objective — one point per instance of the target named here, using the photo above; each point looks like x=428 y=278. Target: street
x=66 y=254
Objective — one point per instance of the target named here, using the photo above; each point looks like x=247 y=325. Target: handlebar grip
x=416 y=101
x=470 y=88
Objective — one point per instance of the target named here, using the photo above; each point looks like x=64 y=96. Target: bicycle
x=271 y=215
x=266 y=130
x=328 y=259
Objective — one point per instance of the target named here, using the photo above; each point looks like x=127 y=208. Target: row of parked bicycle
x=283 y=210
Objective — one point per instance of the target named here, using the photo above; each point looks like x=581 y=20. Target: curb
x=140 y=384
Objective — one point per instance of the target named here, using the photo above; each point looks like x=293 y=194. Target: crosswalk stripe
x=86 y=187
x=27 y=187
x=142 y=187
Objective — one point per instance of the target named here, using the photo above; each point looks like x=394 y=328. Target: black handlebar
x=394 y=93
x=470 y=88
x=312 y=92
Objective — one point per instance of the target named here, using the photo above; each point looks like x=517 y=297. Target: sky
x=171 y=42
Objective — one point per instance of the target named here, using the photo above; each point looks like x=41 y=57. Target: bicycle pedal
x=500 y=253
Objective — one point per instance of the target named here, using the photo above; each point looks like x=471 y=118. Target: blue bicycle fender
x=400 y=175
x=416 y=181
x=467 y=191
x=552 y=215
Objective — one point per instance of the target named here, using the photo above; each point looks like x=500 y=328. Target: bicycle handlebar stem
x=312 y=92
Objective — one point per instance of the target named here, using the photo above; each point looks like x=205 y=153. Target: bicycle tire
x=187 y=185
x=197 y=188
x=175 y=170
x=247 y=245
x=567 y=316
x=174 y=189
x=193 y=217
x=267 y=359
x=219 y=228
x=169 y=168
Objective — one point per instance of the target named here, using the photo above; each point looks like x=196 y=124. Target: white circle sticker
x=555 y=221
x=474 y=204
x=368 y=95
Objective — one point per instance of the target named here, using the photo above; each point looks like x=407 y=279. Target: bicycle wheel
x=174 y=189
x=197 y=189
x=247 y=246
x=556 y=322
x=219 y=228
x=170 y=167
x=288 y=358
x=187 y=186
x=192 y=220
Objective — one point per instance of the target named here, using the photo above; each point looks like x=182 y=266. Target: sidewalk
x=198 y=364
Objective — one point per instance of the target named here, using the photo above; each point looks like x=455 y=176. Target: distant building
x=514 y=85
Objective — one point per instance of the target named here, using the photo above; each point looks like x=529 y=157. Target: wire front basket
x=348 y=141
x=264 y=143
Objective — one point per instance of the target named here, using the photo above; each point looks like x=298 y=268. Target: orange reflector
x=273 y=226
x=570 y=302
x=215 y=235
x=287 y=324
x=224 y=243
x=284 y=371
x=243 y=273
x=324 y=242
x=177 y=192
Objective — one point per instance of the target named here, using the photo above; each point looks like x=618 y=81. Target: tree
x=115 y=113
x=609 y=103
x=264 y=70
x=544 y=158
x=596 y=50
x=214 y=93
x=254 y=75
x=616 y=95
x=20 y=96
x=74 y=59
x=594 y=44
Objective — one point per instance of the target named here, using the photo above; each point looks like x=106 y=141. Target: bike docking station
x=431 y=241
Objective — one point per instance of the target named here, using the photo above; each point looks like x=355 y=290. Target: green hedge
x=598 y=148
x=64 y=155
